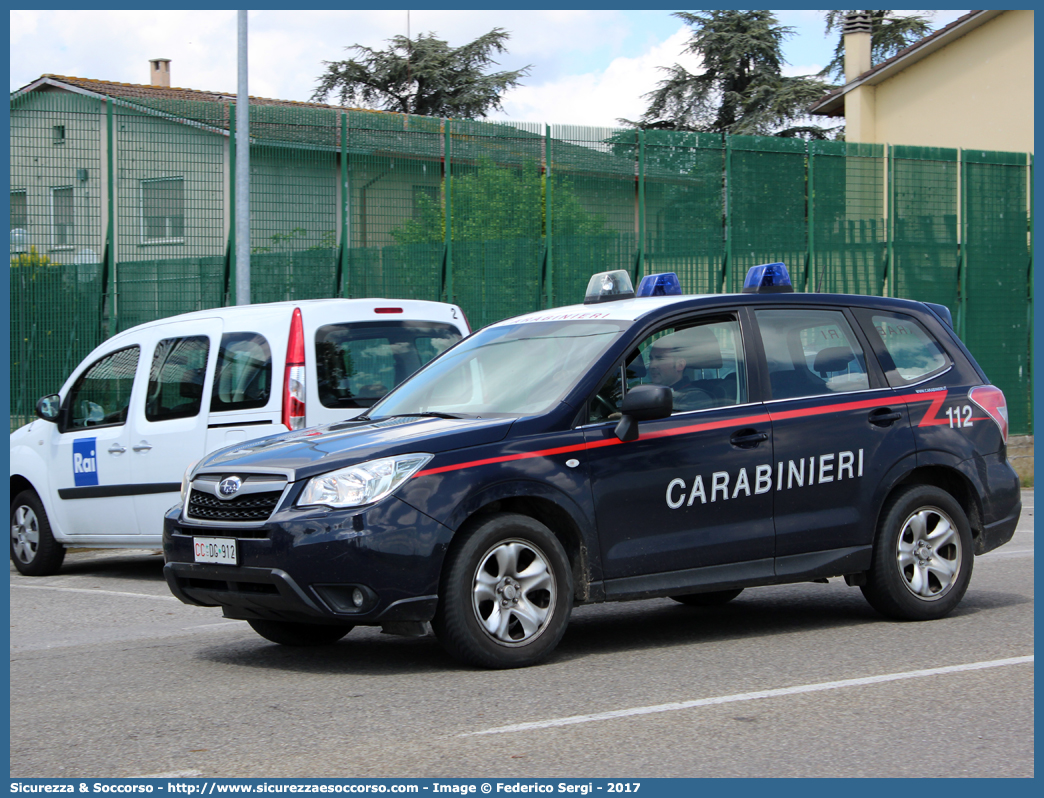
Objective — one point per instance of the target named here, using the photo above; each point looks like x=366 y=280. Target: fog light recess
x=348 y=599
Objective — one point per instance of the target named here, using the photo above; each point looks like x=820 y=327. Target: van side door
x=168 y=429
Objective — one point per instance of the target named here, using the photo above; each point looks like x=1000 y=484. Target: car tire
x=922 y=556
x=34 y=551
x=715 y=599
x=288 y=633
x=506 y=593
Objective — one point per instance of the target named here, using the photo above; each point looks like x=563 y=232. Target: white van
x=105 y=459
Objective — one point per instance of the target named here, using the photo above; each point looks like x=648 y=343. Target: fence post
x=889 y=223
x=230 y=255
x=810 y=193
x=343 y=285
x=962 y=247
x=726 y=265
x=447 y=262
x=639 y=263
x=1029 y=287
x=548 y=276
x=110 y=231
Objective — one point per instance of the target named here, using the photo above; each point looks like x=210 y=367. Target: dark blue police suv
x=631 y=447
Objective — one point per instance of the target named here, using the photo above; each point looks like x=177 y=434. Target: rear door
x=838 y=430
x=357 y=357
x=168 y=427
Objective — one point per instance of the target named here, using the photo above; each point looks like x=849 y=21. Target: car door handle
x=884 y=416
x=144 y=446
x=117 y=448
x=747 y=438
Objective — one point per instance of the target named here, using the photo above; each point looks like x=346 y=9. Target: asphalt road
x=113 y=677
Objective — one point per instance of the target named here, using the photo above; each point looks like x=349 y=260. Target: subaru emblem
x=229 y=486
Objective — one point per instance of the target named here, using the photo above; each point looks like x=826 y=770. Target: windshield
x=511 y=370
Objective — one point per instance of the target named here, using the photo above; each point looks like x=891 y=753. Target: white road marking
x=728 y=699
x=94 y=592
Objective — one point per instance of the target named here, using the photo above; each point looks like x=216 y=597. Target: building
x=967 y=85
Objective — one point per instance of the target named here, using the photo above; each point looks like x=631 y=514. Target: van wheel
x=34 y=551
x=506 y=593
x=922 y=557
x=715 y=599
x=288 y=633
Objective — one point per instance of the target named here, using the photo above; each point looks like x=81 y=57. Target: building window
x=19 y=221
x=62 y=216
x=58 y=134
x=163 y=209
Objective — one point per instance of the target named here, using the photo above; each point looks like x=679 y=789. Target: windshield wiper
x=423 y=414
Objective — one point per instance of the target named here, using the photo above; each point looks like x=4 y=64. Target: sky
x=588 y=67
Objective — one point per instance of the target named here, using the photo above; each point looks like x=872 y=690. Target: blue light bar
x=663 y=284
x=768 y=278
x=608 y=287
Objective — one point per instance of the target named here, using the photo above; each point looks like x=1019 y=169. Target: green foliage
x=742 y=90
x=422 y=76
x=888 y=35
x=493 y=203
x=30 y=260
x=280 y=241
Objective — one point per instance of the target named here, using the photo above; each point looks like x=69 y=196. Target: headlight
x=186 y=481
x=362 y=484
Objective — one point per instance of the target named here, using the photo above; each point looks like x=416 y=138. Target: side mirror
x=49 y=407
x=643 y=403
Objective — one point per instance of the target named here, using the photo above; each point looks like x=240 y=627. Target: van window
x=101 y=395
x=358 y=363
x=179 y=366
x=243 y=378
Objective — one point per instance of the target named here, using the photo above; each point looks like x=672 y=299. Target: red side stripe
x=693 y=428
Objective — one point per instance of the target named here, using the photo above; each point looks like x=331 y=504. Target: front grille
x=251 y=507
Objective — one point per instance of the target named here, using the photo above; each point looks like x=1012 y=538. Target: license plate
x=215 y=550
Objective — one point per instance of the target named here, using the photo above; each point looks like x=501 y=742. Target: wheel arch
x=954 y=482
x=555 y=511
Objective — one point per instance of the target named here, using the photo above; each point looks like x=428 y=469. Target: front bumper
x=304 y=565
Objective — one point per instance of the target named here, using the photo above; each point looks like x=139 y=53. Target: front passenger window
x=101 y=395
x=702 y=364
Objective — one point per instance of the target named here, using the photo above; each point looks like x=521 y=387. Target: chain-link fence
x=122 y=212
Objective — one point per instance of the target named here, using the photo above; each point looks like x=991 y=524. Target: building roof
x=371 y=132
x=833 y=103
x=134 y=91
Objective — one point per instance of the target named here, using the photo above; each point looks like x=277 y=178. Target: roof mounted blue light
x=663 y=284
x=768 y=278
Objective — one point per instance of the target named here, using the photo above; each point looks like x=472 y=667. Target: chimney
x=159 y=72
x=857 y=32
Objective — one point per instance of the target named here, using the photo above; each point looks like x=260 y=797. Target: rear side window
x=358 y=363
x=811 y=352
x=101 y=395
x=243 y=377
x=914 y=353
x=179 y=366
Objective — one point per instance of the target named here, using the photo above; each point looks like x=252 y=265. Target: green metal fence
x=122 y=209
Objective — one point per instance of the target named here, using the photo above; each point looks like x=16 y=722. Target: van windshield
x=510 y=370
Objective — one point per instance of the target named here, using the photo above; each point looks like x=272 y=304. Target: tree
x=493 y=203
x=888 y=35
x=422 y=76
x=742 y=89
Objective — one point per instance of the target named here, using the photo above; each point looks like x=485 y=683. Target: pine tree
x=422 y=76
x=742 y=89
